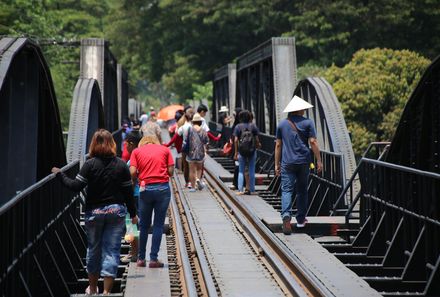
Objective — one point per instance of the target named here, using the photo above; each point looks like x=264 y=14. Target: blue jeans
x=242 y=163
x=294 y=177
x=155 y=197
x=105 y=227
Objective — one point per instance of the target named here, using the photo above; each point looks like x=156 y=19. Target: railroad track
x=196 y=276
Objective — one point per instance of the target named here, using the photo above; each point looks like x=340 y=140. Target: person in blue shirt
x=246 y=153
x=293 y=158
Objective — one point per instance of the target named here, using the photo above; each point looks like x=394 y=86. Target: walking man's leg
x=301 y=193
x=287 y=189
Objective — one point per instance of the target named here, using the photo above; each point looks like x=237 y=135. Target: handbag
x=185 y=145
x=227 y=148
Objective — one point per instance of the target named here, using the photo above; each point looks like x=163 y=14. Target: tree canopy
x=373 y=89
x=171 y=47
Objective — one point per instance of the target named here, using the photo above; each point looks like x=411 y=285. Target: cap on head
x=223 y=109
x=151 y=108
x=297 y=104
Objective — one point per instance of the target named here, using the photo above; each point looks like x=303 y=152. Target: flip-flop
x=88 y=291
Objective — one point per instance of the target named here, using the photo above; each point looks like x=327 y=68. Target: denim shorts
x=105 y=227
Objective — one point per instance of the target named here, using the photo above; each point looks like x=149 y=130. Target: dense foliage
x=171 y=47
x=373 y=89
x=54 y=24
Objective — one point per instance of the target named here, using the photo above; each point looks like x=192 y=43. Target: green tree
x=53 y=24
x=331 y=31
x=373 y=88
x=202 y=92
x=169 y=38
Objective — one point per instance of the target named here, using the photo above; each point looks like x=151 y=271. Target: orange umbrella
x=168 y=112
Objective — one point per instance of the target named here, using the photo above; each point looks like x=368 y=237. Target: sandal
x=88 y=291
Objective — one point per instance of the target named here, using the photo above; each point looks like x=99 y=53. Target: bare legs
x=195 y=171
x=93 y=281
x=108 y=284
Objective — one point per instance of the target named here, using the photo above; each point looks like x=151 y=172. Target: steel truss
x=86 y=116
x=98 y=62
x=397 y=249
x=30 y=125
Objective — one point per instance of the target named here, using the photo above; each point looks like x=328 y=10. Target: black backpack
x=246 y=143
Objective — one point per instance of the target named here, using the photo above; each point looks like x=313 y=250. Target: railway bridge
x=374 y=223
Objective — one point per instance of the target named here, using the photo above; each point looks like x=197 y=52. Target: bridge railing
x=376 y=150
x=42 y=242
x=324 y=188
x=349 y=195
x=400 y=219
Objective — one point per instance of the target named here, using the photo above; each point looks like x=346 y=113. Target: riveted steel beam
x=98 y=62
x=122 y=94
x=30 y=125
x=416 y=142
x=86 y=116
x=224 y=89
x=266 y=79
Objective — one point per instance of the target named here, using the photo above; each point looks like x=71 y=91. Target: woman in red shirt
x=152 y=165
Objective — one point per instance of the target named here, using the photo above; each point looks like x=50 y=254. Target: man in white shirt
x=202 y=110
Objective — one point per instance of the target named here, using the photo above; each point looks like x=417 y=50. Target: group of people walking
x=114 y=187
x=140 y=186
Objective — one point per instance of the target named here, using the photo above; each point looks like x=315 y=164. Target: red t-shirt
x=125 y=154
x=177 y=140
x=151 y=162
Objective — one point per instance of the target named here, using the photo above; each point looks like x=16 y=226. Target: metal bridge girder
x=29 y=118
x=122 y=93
x=98 y=62
x=224 y=89
x=332 y=132
x=416 y=142
x=86 y=116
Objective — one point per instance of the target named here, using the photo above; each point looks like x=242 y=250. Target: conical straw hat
x=296 y=104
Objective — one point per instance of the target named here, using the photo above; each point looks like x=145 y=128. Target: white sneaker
x=189 y=186
x=199 y=185
x=302 y=225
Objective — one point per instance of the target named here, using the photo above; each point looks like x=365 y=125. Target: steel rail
x=204 y=265
x=290 y=269
x=23 y=194
x=187 y=273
